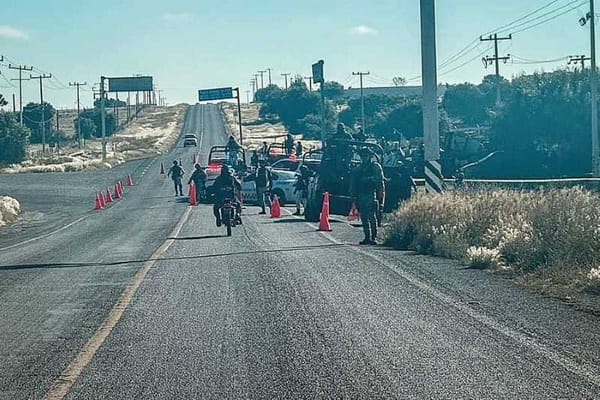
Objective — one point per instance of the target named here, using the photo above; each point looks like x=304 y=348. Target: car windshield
x=314 y=199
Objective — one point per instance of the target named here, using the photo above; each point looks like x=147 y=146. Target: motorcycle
x=229 y=215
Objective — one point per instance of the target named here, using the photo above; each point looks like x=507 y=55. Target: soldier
x=367 y=184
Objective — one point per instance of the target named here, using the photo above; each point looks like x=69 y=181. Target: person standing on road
x=231 y=148
x=176 y=172
x=299 y=149
x=301 y=188
x=254 y=159
x=367 y=183
x=289 y=144
x=264 y=184
x=199 y=178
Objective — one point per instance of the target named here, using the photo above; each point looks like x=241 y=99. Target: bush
x=13 y=139
x=527 y=230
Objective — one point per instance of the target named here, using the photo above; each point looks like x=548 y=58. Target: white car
x=190 y=139
x=283 y=187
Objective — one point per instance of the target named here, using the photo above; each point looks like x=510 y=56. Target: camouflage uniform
x=367 y=184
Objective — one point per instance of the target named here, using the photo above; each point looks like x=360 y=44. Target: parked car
x=283 y=187
x=190 y=139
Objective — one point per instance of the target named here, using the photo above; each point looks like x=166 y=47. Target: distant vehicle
x=190 y=139
x=283 y=187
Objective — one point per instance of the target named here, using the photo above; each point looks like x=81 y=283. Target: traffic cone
x=108 y=198
x=193 y=159
x=192 y=194
x=324 y=222
x=98 y=205
x=117 y=191
x=102 y=203
x=162 y=169
x=120 y=186
x=275 y=208
x=354 y=215
x=129 y=181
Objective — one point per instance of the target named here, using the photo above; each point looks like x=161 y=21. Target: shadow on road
x=198 y=237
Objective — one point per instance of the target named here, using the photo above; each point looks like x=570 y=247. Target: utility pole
x=309 y=78
x=487 y=60
x=362 y=99
x=269 y=69
x=253 y=83
x=434 y=180
x=591 y=18
x=262 y=86
x=286 y=79
x=14 y=104
x=21 y=68
x=103 y=117
x=239 y=109
x=79 y=135
x=43 y=118
x=247 y=96
x=579 y=60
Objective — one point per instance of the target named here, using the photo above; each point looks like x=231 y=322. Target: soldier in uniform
x=367 y=184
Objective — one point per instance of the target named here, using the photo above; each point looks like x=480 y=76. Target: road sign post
x=223 y=94
x=239 y=107
x=317 y=77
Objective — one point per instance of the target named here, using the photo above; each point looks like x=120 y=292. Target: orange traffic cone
x=120 y=186
x=162 y=169
x=192 y=194
x=354 y=215
x=98 y=204
x=324 y=222
x=117 y=191
x=275 y=208
x=108 y=198
x=102 y=203
x=129 y=181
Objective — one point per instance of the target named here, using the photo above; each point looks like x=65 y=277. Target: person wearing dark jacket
x=367 y=184
x=176 y=173
x=226 y=186
x=199 y=178
x=264 y=184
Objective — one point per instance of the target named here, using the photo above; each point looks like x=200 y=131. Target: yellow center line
x=63 y=384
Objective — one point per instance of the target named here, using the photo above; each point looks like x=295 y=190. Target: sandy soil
x=9 y=210
x=151 y=133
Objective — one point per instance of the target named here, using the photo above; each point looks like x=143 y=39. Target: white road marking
x=45 y=235
x=589 y=373
x=73 y=371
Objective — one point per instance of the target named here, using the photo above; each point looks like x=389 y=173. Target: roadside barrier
x=353 y=215
x=192 y=194
x=324 y=221
x=275 y=208
x=98 y=205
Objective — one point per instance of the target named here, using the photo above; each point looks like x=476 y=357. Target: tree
x=110 y=103
x=13 y=139
x=95 y=116
x=333 y=89
x=88 y=127
x=32 y=117
x=467 y=102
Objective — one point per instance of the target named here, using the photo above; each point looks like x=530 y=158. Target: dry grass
x=9 y=210
x=552 y=236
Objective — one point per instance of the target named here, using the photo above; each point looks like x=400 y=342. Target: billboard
x=130 y=84
x=215 y=94
x=317 y=72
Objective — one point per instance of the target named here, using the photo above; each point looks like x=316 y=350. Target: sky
x=188 y=45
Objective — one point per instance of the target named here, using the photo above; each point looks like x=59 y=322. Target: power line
x=548 y=19
x=42 y=122
x=20 y=68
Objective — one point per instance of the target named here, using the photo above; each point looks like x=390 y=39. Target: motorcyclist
x=199 y=178
x=367 y=185
x=226 y=186
x=176 y=172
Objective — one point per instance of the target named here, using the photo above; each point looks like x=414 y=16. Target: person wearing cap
x=226 y=186
x=264 y=183
x=367 y=183
x=301 y=188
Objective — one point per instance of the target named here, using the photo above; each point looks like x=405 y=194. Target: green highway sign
x=130 y=84
x=215 y=94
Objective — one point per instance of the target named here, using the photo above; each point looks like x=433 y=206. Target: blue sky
x=187 y=45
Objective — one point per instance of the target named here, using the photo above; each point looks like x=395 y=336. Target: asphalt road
x=277 y=311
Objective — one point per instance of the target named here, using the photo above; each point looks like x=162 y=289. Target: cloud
x=177 y=17
x=8 y=32
x=363 y=30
